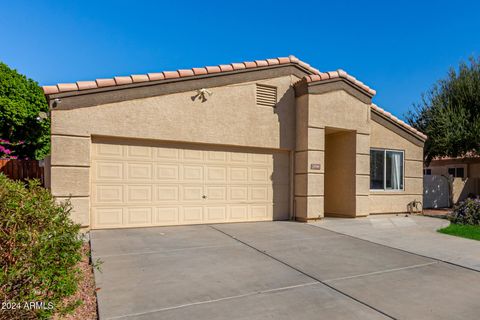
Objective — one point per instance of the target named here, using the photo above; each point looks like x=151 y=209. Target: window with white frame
x=386 y=169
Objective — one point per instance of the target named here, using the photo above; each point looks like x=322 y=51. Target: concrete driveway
x=272 y=270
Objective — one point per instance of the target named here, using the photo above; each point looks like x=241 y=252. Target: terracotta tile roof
x=184 y=73
x=320 y=76
x=398 y=121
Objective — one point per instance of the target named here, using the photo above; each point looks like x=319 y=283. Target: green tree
x=449 y=113
x=21 y=103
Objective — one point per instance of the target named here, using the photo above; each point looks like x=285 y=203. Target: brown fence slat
x=3 y=164
x=22 y=169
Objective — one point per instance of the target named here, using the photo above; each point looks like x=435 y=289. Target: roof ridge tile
x=171 y=74
x=183 y=73
x=340 y=74
x=155 y=76
x=122 y=80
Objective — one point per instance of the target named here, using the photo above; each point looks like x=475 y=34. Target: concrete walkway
x=416 y=234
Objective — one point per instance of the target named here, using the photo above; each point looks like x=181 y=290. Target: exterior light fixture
x=202 y=94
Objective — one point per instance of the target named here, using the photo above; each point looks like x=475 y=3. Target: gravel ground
x=86 y=292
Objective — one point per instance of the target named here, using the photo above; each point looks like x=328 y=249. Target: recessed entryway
x=340 y=169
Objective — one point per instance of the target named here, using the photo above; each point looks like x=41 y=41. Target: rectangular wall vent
x=266 y=95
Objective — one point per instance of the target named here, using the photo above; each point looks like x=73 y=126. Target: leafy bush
x=23 y=108
x=39 y=251
x=466 y=212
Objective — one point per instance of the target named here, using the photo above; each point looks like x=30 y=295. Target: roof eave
x=399 y=123
x=119 y=83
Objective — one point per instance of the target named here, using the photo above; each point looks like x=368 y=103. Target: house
x=271 y=139
x=461 y=176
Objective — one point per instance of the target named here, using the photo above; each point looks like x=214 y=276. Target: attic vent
x=266 y=95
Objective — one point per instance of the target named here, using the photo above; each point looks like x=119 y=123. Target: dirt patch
x=437 y=213
x=87 y=310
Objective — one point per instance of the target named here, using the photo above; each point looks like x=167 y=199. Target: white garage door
x=139 y=184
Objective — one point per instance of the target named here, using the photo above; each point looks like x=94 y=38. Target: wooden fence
x=22 y=169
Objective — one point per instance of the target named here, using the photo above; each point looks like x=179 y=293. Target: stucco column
x=309 y=166
x=362 y=174
x=70 y=174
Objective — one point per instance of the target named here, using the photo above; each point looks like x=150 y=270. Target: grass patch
x=461 y=230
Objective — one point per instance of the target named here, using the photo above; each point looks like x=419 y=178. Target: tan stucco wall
x=315 y=114
x=397 y=201
x=230 y=116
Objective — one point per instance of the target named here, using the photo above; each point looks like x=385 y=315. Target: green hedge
x=40 y=248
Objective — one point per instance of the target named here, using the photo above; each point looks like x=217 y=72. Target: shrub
x=23 y=115
x=466 y=212
x=39 y=250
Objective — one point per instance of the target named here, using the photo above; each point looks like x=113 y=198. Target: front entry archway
x=340 y=151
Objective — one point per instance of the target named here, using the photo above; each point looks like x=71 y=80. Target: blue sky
x=398 y=48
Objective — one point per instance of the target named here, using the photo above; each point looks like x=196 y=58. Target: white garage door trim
x=140 y=183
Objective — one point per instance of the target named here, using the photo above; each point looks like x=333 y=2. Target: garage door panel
x=108 y=217
x=167 y=193
x=139 y=193
x=216 y=193
x=108 y=150
x=191 y=215
x=216 y=156
x=167 y=215
x=108 y=170
x=193 y=173
x=280 y=176
x=281 y=162
x=192 y=193
x=280 y=210
x=193 y=155
x=280 y=193
x=107 y=194
x=215 y=174
x=139 y=171
x=166 y=154
x=238 y=213
x=239 y=175
x=139 y=152
x=142 y=185
x=259 y=212
x=139 y=216
x=260 y=158
x=239 y=193
x=259 y=193
x=259 y=175
x=238 y=157
x=215 y=214
x=167 y=172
